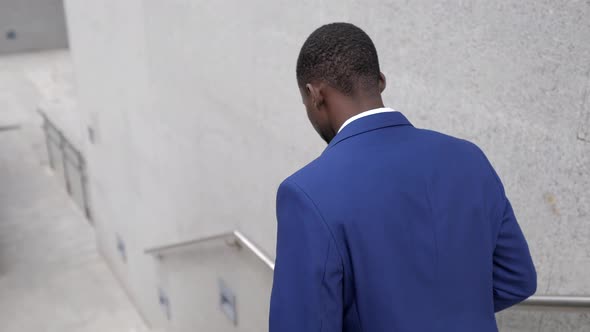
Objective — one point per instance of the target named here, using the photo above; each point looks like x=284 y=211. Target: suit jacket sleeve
x=514 y=274
x=307 y=288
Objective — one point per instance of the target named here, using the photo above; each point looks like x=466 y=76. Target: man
x=392 y=228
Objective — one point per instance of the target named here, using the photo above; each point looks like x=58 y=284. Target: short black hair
x=341 y=54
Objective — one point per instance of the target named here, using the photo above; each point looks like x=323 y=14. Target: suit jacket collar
x=369 y=123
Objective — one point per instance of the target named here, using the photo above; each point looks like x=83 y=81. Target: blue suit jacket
x=393 y=229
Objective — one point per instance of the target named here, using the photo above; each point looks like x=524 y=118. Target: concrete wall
x=197 y=119
x=30 y=25
x=109 y=56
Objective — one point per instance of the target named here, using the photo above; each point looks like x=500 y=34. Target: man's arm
x=514 y=275
x=515 y=278
x=307 y=288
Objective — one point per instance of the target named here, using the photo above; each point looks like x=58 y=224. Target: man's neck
x=354 y=108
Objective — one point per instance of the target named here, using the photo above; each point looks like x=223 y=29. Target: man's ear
x=382 y=82
x=314 y=91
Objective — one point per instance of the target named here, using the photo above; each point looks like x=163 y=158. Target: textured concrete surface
x=51 y=275
x=198 y=119
x=31 y=25
x=190 y=280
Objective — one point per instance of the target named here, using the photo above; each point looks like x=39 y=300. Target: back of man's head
x=342 y=55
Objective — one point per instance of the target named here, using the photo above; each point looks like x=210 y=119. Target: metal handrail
x=10 y=127
x=557 y=301
x=238 y=239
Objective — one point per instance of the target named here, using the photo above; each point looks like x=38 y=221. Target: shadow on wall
x=32 y=26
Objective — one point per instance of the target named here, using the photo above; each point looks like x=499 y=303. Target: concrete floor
x=51 y=275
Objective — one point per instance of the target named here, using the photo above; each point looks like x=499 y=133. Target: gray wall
x=198 y=119
x=30 y=25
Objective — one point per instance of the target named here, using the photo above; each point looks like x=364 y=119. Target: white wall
x=111 y=76
x=198 y=119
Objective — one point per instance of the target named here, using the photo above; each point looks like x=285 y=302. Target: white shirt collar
x=366 y=113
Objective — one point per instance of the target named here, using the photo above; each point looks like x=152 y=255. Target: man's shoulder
x=333 y=167
x=313 y=178
x=307 y=173
x=411 y=137
x=442 y=138
x=445 y=143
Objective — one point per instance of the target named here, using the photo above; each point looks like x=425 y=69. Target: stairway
x=51 y=276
